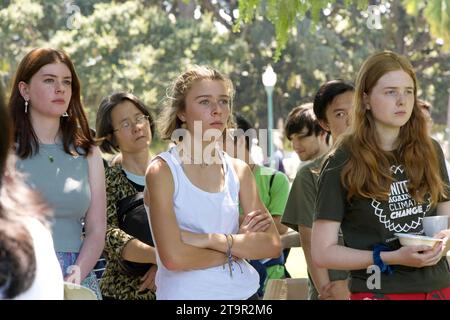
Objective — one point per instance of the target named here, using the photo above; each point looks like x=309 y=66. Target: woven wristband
x=384 y=268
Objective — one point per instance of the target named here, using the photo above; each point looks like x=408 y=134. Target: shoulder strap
x=272 y=177
x=129 y=203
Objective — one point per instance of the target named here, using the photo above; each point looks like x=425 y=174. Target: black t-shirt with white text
x=367 y=222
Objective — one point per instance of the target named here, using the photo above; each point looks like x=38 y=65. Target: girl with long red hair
x=383 y=178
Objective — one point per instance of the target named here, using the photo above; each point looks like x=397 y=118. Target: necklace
x=202 y=164
x=50 y=157
x=185 y=158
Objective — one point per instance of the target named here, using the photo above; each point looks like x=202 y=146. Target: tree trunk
x=400 y=16
x=186 y=10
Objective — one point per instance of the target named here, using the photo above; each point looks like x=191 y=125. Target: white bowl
x=407 y=239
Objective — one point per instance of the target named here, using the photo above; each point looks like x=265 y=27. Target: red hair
x=367 y=172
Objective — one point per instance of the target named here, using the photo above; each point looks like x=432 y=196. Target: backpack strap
x=272 y=177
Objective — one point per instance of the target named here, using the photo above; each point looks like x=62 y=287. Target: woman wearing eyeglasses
x=125 y=125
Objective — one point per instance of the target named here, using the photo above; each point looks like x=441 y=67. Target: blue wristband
x=385 y=268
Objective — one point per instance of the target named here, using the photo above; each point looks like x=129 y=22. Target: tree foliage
x=437 y=14
x=284 y=14
x=140 y=46
x=125 y=46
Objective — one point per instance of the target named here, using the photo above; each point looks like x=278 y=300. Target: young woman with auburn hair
x=383 y=178
x=58 y=156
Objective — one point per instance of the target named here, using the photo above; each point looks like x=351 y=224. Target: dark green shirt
x=300 y=205
x=366 y=222
x=300 y=211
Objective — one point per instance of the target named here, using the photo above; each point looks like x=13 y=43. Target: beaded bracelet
x=229 y=255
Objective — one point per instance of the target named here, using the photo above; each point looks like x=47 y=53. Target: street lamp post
x=269 y=79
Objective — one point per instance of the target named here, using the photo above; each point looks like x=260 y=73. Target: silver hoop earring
x=26 y=106
x=65 y=114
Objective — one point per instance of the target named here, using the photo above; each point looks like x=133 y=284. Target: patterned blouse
x=115 y=283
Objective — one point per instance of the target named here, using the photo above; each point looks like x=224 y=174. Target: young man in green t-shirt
x=273 y=189
x=308 y=128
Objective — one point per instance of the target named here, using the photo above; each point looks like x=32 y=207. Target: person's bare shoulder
x=240 y=167
x=158 y=169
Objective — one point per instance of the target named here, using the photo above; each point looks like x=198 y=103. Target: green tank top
x=63 y=181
